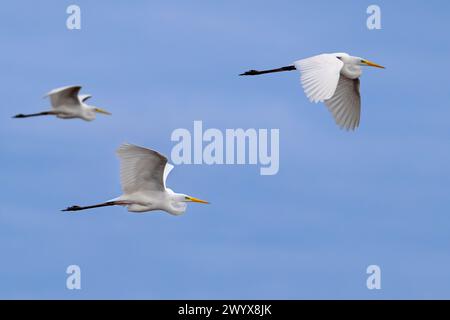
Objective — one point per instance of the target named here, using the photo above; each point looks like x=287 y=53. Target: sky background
x=340 y=202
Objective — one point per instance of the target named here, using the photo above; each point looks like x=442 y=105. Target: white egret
x=143 y=174
x=68 y=104
x=332 y=79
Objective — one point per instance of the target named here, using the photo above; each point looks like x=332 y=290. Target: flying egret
x=143 y=174
x=333 y=79
x=67 y=103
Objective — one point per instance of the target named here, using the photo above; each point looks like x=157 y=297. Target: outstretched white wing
x=319 y=76
x=84 y=97
x=65 y=97
x=141 y=169
x=167 y=170
x=345 y=105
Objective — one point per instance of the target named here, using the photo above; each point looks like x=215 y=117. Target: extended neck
x=351 y=71
x=176 y=204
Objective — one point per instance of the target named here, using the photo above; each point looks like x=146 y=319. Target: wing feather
x=85 y=97
x=345 y=105
x=167 y=170
x=319 y=76
x=141 y=169
x=65 y=97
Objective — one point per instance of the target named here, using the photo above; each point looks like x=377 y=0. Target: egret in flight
x=67 y=103
x=143 y=174
x=332 y=79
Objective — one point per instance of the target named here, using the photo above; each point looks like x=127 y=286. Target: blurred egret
x=143 y=177
x=67 y=103
x=332 y=79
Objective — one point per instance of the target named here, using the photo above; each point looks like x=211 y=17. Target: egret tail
x=256 y=72
x=45 y=113
x=105 y=204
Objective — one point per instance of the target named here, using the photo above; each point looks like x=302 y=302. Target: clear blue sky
x=341 y=201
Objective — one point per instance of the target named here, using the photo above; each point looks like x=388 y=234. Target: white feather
x=65 y=97
x=345 y=105
x=84 y=97
x=141 y=169
x=167 y=169
x=319 y=76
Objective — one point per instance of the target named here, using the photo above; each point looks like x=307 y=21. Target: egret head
x=192 y=199
x=364 y=62
x=90 y=112
x=351 y=60
x=179 y=202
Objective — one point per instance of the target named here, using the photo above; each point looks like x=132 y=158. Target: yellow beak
x=197 y=200
x=372 y=64
x=102 y=111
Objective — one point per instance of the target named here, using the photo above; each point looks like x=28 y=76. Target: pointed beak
x=192 y=199
x=372 y=64
x=102 y=111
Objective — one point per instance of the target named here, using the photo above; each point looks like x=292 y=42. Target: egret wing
x=320 y=76
x=65 y=97
x=345 y=105
x=141 y=169
x=168 y=168
x=84 y=97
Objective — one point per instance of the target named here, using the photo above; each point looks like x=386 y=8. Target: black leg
x=256 y=72
x=45 y=113
x=106 y=204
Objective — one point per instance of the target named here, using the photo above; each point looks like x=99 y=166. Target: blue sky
x=340 y=202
